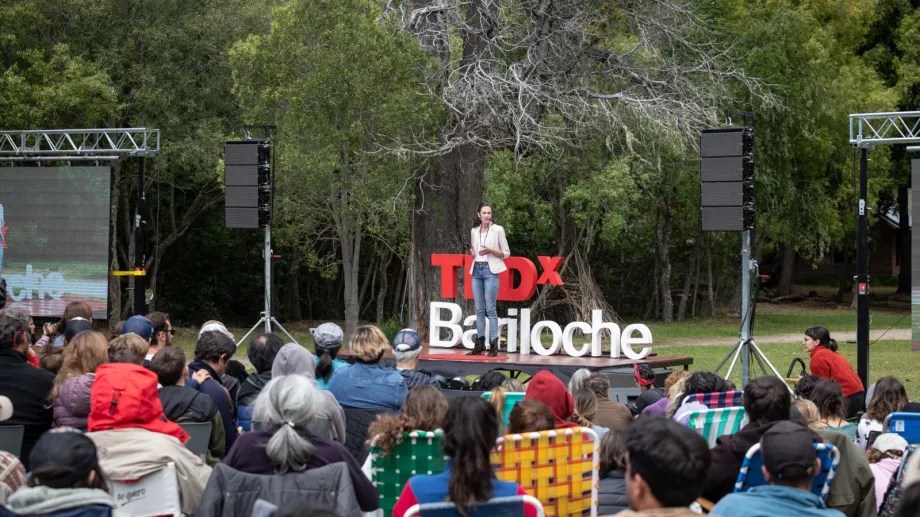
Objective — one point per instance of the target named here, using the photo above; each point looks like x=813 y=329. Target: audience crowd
x=97 y=412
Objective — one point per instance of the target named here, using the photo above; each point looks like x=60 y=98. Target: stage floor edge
x=562 y=366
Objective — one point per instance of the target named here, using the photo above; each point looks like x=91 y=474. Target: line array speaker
x=247 y=182
x=727 y=179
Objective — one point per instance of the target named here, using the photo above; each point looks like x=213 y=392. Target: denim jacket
x=368 y=386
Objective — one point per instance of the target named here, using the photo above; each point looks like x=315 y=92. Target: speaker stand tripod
x=267 y=319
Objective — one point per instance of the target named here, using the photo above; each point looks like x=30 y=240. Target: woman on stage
x=489 y=249
x=826 y=363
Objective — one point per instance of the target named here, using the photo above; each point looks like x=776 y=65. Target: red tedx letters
x=449 y=264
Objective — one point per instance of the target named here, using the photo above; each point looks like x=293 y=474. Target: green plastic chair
x=511 y=398
x=713 y=423
x=419 y=452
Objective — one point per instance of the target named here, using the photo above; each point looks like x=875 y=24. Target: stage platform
x=453 y=362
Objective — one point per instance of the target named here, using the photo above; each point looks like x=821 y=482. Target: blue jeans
x=485 y=295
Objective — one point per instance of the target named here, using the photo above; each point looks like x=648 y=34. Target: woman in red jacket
x=826 y=363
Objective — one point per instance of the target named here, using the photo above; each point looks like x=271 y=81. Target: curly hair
x=890 y=396
x=13 y=323
x=423 y=410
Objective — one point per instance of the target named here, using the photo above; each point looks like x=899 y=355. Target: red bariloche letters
x=449 y=263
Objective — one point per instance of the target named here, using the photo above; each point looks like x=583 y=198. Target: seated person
x=327 y=341
x=611 y=491
x=828 y=396
x=700 y=382
x=329 y=420
x=789 y=466
x=127 y=348
x=70 y=395
x=610 y=413
x=212 y=353
x=66 y=478
x=530 y=416
x=182 y=403
x=648 y=392
x=666 y=466
x=12 y=473
x=660 y=408
x=407 y=345
x=367 y=384
x=423 y=410
x=285 y=445
x=884 y=456
x=766 y=401
x=127 y=424
x=889 y=396
x=261 y=353
x=585 y=410
x=548 y=389
x=26 y=386
x=470 y=431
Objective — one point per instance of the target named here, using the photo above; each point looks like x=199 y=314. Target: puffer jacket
x=71 y=406
x=611 y=493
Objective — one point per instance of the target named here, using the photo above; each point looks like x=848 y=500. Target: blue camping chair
x=513 y=506
x=751 y=475
x=905 y=424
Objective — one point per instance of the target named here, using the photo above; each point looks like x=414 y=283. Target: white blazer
x=495 y=239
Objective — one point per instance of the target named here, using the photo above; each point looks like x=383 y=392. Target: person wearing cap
x=666 y=466
x=26 y=386
x=766 y=402
x=407 y=345
x=74 y=327
x=66 y=478
x=790 y=463
x=261 y=353
x=648 y=392
x=142 y=327
x=134 y=437
x=12 y=473
x=327 y=340
x=162 y=336
x=884 y=459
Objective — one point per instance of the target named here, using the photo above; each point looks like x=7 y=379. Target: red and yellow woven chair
x=558 y=467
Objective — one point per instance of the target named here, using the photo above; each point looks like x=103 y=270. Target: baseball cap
x=139 y=325
x=406 y=340
x=215 y=326
x=62 y=457
x=327 y=335
x=75 y=326
x=6 y=408
x=890 y=442
x=787 y=450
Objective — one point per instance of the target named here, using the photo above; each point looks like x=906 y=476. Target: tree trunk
x=688 y=284
x=787 y=275
x=114 y=281
x=710 y=289
x=350 y=232
x=662 y=232
x=291 y=292
x=384 y=283
x=904 y=244
x=446 y=198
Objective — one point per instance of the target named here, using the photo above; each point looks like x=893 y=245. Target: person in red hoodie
x=826 y=363
x=134 y=437
x=548 y=389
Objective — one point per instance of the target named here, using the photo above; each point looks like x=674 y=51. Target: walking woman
x=826 y=363
x=489 y=249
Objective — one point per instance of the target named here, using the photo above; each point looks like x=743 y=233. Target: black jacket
x=251 y=388
x=186 y=404
x=419 y=377
x=27 y=388
x=611 y=493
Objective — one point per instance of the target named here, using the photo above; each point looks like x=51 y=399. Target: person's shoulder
x=498 y=228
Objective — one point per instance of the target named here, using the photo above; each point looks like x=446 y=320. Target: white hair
x=407 y=356
x=578 y=379
x=288 y=403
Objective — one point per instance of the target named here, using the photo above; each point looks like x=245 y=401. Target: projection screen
x=54 y=247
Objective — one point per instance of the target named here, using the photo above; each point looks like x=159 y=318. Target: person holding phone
x=489 y=249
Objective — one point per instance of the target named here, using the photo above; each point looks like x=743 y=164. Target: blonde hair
x=84 y=353
x=676 y=395
x=368 y=344
x=809 y=412
x=128 y=348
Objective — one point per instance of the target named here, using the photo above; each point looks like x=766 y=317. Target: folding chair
x=199 y=437
x=713 y=423
x=905 y=424
x=751 y=474
x=716 y=399
x=419 y=452
x=513 y=506
x=559 y=467
x=156 y=494
x=11 y=438
x=511 y=399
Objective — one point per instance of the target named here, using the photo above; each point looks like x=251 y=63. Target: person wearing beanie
x=127 y=424
x=884 y=460
x=790 y=463
x=327 y=341
x=66 y=477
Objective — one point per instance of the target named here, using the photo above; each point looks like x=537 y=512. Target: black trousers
x=855 y=403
